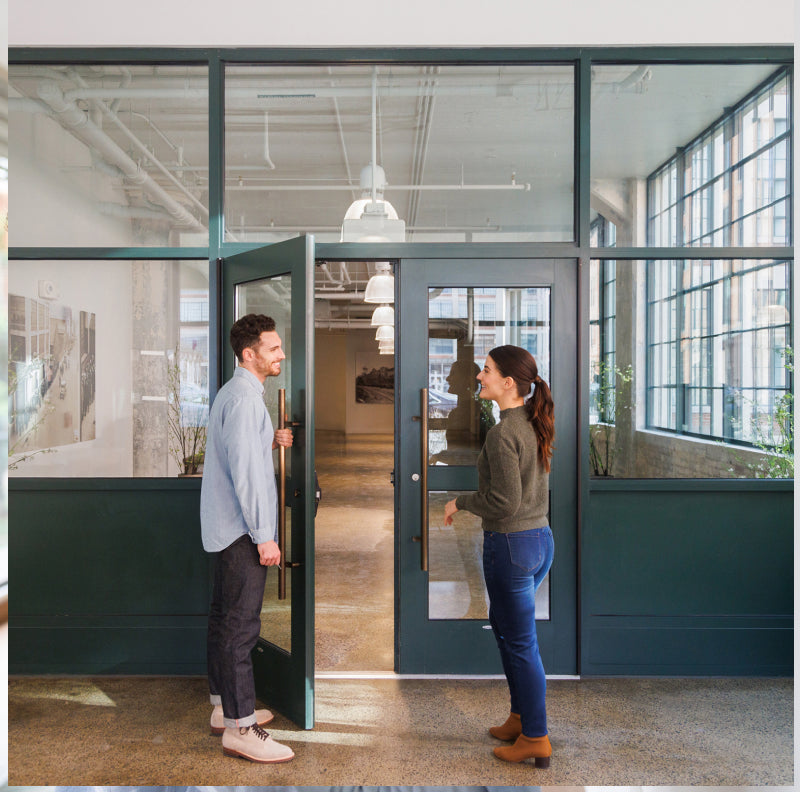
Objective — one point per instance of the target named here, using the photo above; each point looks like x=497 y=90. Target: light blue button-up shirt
x=238 y=494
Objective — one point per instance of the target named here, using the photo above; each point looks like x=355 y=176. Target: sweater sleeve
x=502 y=495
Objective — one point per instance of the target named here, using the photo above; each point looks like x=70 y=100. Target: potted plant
x=611 y=395
x=187 y=417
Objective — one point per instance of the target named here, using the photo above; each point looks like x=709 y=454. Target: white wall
x=413 y=22
x=337 y=357
x=330 y=372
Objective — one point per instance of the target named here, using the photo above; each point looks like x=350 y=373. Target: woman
x=512 y=500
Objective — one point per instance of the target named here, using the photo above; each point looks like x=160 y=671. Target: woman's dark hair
x=520 y=365
x=246 y=332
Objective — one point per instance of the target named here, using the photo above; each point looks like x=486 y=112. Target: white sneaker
x=263 y=717
x=253 y=743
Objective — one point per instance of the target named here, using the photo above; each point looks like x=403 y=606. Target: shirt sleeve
x=247 y=443
x=502 y=496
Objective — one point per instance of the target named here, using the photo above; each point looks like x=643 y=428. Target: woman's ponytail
x=539 y=408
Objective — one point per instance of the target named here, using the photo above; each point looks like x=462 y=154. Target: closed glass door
x=469 y=308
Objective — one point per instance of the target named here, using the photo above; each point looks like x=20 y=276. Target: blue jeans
x=234 y=624
x=514 y=565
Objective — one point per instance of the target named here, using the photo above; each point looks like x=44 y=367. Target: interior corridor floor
x=354 y=553
x=617 y=732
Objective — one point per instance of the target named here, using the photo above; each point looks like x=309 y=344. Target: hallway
x=354 y=554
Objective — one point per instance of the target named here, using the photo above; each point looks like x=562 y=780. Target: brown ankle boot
x=510 y=730
x=526 y=748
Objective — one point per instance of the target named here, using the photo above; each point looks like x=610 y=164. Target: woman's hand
x=449 y=510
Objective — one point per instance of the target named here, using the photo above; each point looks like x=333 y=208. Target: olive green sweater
x=512 y=483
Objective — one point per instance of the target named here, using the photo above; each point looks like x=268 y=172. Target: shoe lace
x=259 y=732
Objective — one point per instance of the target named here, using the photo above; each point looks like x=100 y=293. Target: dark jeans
x=514 y=565
x=234 y=623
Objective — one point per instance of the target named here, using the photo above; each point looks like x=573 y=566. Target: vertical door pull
x=282 y=497
x=423 y=407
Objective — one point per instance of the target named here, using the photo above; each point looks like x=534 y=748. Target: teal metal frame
x=25 y=493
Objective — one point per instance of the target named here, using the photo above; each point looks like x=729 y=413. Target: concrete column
x=155 y=298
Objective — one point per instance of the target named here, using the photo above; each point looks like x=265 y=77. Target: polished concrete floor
x=154 y=731
x=382 y=729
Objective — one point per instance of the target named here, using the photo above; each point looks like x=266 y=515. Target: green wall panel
x=108 y=577
x=688 y=579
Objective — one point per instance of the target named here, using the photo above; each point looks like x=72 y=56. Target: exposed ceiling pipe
x=346 y=324
x=138 y=212
x=524 y=186
x=374 y=134
x=140 y=147
x=425 y=105
x=77 y=122
x=341 y=138
x=127 y=79
x=429 y=88
x=269 y=162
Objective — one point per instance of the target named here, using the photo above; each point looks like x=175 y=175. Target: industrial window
x=718 y=357
x=718 y=331
x=602 y=325
x=730 y=185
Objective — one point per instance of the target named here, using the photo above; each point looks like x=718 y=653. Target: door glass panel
x=273 y=297
x=464 y=325
x=456 y=588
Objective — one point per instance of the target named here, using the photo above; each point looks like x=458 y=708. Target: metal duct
x=72 y=118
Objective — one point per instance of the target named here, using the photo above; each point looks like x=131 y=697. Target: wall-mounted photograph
x=374 y=379
x=51 y=373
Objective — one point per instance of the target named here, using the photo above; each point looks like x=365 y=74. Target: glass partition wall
x=689 y=370
x=690 y=358
x=461 y=153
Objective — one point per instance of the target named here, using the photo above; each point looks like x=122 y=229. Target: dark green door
x=278 y=281
x=450 y=314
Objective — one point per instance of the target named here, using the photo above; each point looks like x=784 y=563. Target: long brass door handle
x=282 y=497
x=423 y=407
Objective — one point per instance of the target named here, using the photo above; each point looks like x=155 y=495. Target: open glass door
x=451 y=314
x=278 y=281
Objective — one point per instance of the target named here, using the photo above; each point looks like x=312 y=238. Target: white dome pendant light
x=380 y=287
x=383 y=315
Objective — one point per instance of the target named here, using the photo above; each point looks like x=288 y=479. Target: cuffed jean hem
x=241 y=723
x=216 y=701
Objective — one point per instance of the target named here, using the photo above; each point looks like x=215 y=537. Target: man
x=238 y=515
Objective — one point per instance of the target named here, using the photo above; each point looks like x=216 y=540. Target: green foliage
x=778 y=459
x=187 y=437
x=611 y=397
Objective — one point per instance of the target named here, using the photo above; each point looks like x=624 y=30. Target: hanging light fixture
x=383 y=315
x=385 y=333
x=371 y=218
x=380 y=287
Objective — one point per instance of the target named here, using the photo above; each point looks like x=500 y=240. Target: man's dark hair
x=246 y=332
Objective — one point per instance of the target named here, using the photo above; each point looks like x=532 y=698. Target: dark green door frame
x=463 y=646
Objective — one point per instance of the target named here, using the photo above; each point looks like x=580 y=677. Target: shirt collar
x=249 y=377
